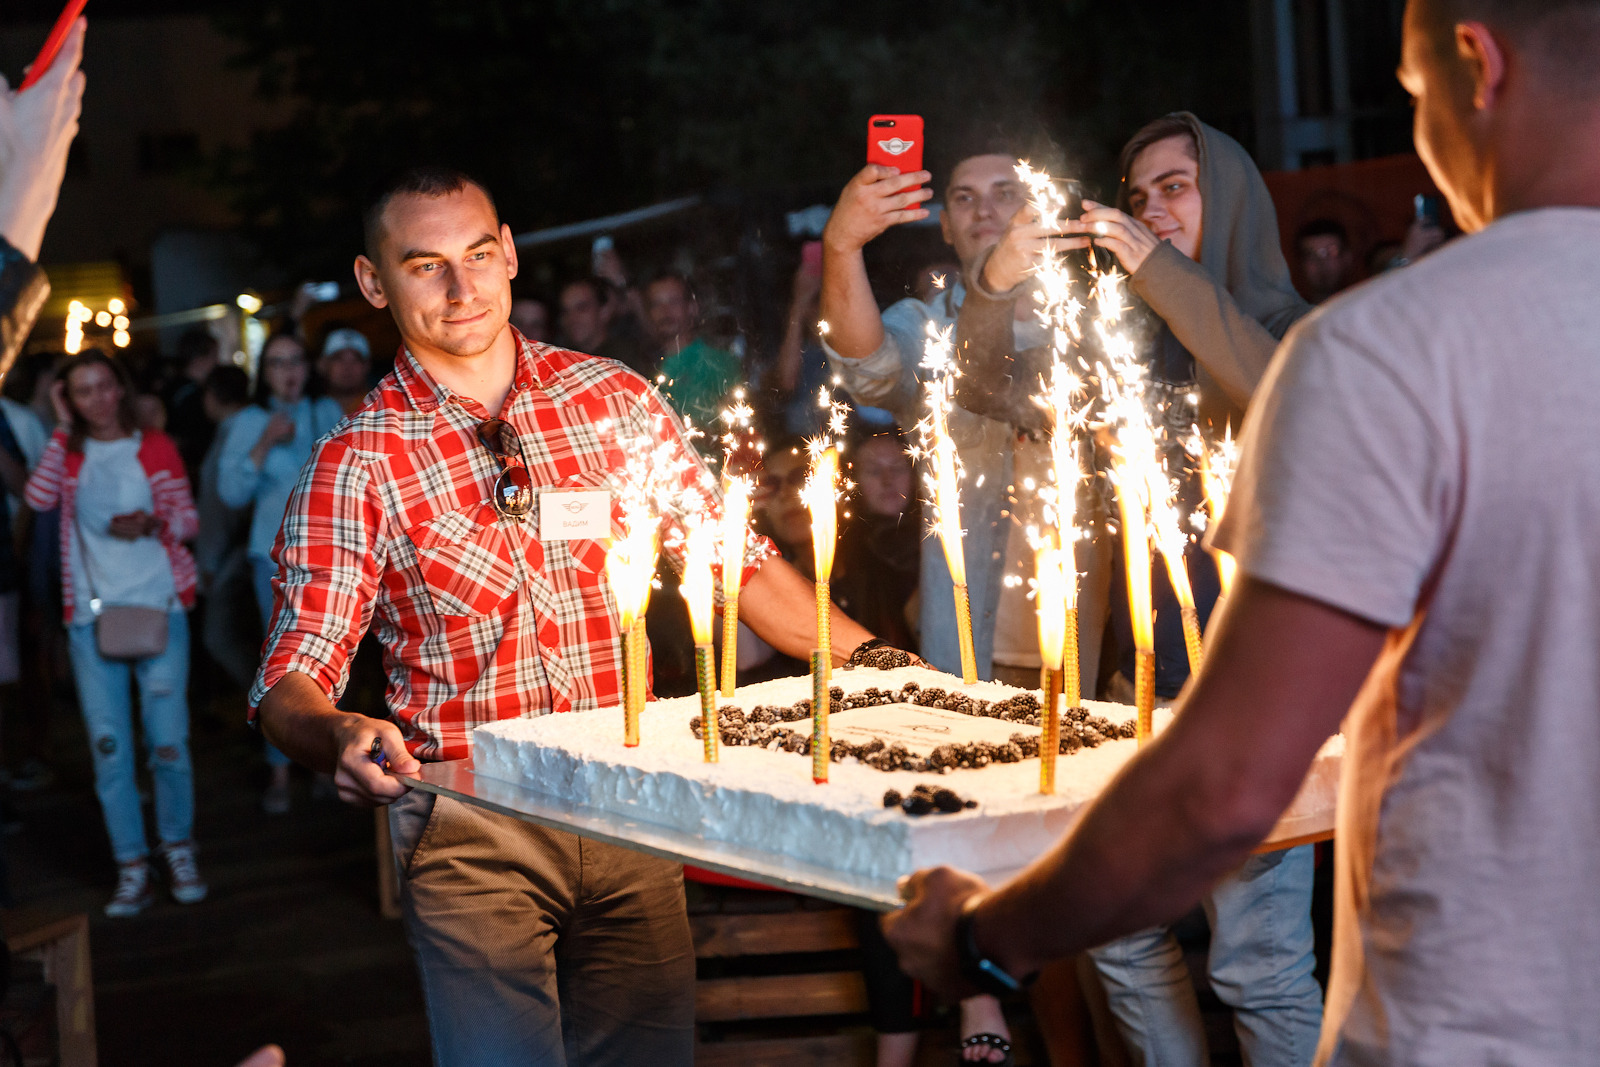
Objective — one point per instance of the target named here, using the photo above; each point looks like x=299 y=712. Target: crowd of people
x=336 y=501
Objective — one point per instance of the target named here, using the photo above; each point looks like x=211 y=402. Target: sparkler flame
x=1217 y=464
x=1051 y=590
x=697 y=587
x=735 y=524
x=821 y=499
x=939 y=358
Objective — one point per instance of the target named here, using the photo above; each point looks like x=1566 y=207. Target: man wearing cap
x=346 y=360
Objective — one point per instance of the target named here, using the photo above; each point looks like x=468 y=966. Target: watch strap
x=977 y=968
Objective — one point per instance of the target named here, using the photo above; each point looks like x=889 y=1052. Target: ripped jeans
x=104 y=694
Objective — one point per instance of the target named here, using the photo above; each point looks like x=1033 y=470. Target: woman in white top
x=126 y=510
x=266 y=446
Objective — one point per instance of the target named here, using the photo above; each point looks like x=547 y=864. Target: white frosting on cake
x=765 y=800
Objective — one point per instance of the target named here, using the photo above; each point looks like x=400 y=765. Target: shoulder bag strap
x=83 y=555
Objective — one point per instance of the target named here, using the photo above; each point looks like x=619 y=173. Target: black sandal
x=992 y=1041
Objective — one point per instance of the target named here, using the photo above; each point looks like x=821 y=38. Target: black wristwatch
x=986 y=974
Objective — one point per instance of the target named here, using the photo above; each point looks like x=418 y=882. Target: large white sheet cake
x=766 y=801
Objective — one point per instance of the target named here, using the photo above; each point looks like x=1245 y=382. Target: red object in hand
x=895 y=141
x=53 y=43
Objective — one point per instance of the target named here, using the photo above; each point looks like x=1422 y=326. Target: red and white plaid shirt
x=391 y=525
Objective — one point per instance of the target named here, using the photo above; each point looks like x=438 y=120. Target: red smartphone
x=895 y=141
x=53 y=43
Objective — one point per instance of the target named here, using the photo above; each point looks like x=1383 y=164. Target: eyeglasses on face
x=513 y=490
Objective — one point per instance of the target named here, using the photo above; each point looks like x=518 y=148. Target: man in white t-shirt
x=1417 y=523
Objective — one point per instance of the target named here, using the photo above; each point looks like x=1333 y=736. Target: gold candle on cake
x=1131 y=496
x=735 y=520
x=941 y=450
x=630 y=565
x=822 y=500
x=1050 y=600
x=698 y=592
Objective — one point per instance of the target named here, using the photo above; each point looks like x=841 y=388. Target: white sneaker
x=134 y=891
x=186 y=884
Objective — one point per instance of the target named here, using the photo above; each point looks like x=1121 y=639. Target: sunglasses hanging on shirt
x=513 y=490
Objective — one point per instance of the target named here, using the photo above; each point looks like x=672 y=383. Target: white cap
x=344 y=337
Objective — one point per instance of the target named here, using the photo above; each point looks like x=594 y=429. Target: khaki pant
x=539 y=947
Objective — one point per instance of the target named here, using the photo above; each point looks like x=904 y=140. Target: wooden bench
x=61 y=944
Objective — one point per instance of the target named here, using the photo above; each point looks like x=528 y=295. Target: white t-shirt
x=135 y=573
x=1425 y=453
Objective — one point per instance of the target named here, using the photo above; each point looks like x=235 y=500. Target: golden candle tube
x=730 y=646
x=639 y=692
x=1191 y=637
x=821 y=706
x=1050 y=728
x=705 y=676
x=1144 y=691
x=1071 y=683
x=825 y=620
x=630 y=681
x=969 y=661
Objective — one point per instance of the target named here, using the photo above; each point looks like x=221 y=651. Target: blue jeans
x=262 y=571
x=105 y=696
x=1261 y=965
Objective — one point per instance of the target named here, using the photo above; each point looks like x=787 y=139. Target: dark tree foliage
x=574 y=108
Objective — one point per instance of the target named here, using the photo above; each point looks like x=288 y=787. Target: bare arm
x=802 y=305
x=875 y=199
x=297 y=717
x=1280 y=674
x=781 y=607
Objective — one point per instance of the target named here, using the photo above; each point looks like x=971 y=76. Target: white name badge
x=566 y=514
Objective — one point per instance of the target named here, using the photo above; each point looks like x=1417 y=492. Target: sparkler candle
x=1050 y=600
x=1066 y=471
x=820 y=497
x=630 y=564
x=1172 y=543
x=1216 y=477
x=1131 y=499
x=735 y=519
x=1061 y=313
x=938 y=356
x=697 y=589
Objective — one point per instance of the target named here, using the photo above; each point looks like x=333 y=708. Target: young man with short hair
x=419 y=516
x=1401 y=574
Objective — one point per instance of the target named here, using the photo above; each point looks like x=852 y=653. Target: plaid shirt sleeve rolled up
x=391 y=526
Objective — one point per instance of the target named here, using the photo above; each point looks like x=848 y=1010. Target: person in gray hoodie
x=1196 y=233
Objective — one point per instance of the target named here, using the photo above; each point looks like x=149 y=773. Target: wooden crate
x=777 y=982
x=61 y=943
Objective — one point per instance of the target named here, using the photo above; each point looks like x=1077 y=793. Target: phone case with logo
x=895 y=141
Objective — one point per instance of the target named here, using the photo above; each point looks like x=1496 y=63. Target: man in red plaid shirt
x=420 y=516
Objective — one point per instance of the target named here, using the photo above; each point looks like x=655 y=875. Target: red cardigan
x=55 y=481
